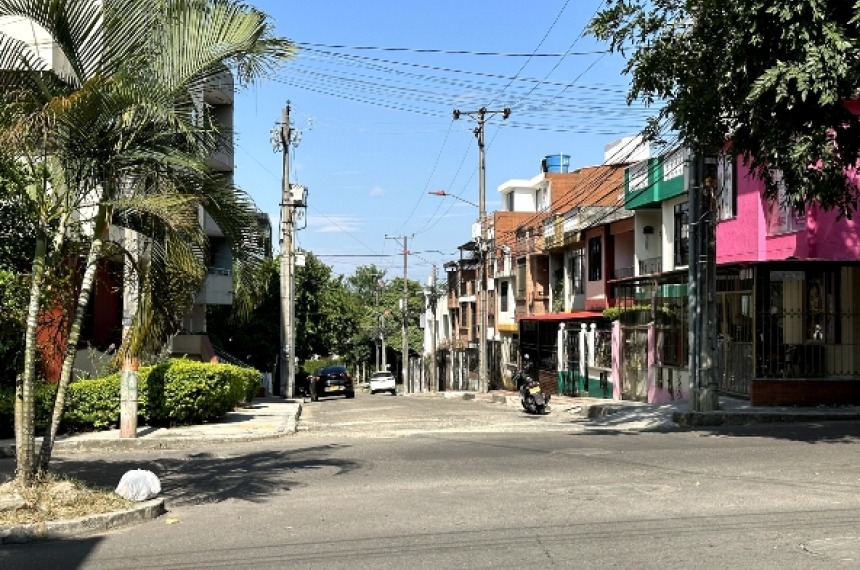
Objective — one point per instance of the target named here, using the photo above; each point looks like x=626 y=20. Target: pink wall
x=745 y=237
x=831 y=238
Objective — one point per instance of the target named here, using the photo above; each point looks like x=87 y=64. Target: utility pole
x=291 y=197
x=407 y=380
x=702 y=283
x=482 y=115
x=433 y=297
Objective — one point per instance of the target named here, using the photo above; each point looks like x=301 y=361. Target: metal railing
x=650 y=266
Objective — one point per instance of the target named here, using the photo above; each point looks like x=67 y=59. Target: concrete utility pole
x=407 y=380
x=482 y=115
x=702 y=283
x=433 y=297
x=291 y=197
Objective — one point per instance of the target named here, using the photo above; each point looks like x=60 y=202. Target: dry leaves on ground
x=55 y=498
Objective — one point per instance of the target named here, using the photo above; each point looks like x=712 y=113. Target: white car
x=382 y=382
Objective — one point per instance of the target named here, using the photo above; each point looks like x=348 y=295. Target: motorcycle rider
x=525 y=371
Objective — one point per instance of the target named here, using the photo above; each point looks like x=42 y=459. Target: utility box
x=298 y=195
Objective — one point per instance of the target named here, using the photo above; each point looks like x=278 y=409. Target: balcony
x=218 y=90
x=222 y=159
x=652 y=181
x=650 y=266
x=622 y=272
x=217 y=289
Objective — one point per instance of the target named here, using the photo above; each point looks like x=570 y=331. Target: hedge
x=178 y=392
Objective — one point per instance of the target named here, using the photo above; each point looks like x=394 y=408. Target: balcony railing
x=650 y=266
x=622 y=272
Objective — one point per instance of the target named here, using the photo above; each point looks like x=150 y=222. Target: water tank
x=556 y=163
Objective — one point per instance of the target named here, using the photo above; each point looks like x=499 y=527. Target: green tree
x=327 y=314
x=773 y=76
x=118 y=128
x=16 y=247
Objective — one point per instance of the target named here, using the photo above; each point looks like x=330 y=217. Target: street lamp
x=446 y=194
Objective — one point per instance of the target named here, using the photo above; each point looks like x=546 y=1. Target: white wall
x=668 y=241
x=648 y=246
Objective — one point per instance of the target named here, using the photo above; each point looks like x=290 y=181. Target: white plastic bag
x=138 y=485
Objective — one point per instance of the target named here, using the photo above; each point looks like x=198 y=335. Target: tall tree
x=118 y=127
x=779 y=78
x=327 y=315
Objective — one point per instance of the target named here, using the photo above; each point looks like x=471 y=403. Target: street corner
x=82 y=526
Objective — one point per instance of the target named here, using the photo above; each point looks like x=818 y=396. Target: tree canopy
x=778 y=78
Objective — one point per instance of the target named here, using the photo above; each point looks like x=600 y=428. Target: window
x=595 y=259
x=577 y=271
x=542 y=199
x=682 y=234
x=727 y=189
x=521 y=277
x=509 y=201
x=503 y=297
x=780 y=216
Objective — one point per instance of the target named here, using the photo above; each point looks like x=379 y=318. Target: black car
x=331 y=381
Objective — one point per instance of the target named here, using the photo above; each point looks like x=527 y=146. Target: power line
x=310 y=45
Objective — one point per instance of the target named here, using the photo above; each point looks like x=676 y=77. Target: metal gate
x=634 y=366
x=570 y=379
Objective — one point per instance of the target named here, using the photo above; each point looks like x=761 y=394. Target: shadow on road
x=213 y=476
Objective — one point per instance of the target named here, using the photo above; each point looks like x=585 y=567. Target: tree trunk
x=25 y=407
x=84 y=294
x=128 y=398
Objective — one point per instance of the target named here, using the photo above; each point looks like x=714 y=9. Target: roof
x=550 y=317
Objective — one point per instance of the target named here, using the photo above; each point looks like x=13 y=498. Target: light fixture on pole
x=445 y=194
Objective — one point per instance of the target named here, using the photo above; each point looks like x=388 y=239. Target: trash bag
x=138 y=485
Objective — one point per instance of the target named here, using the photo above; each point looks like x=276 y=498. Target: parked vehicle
x=331 y=381
x=383 y=382
x=533 y=399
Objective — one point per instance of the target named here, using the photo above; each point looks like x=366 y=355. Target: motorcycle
x=533 y=399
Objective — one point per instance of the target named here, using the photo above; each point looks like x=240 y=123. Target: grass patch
x=57 y=498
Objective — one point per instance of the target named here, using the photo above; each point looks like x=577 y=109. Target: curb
x=85 y=525
x=718 y=418
x=288 y=427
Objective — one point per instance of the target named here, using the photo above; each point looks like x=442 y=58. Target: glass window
x=503 y=297
x=577 y=271
x=595 y=259
x=521 y=277
x=682 y=234
x=727 y=190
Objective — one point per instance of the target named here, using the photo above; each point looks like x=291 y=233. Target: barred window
x=595 y=259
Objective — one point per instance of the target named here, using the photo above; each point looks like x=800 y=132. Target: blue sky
x=372 y=91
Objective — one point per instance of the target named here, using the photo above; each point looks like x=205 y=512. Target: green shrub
x=92 y=404
x=178 y=392
x=44 y=403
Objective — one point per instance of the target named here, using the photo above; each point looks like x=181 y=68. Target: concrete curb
x=82 y=526
x=286 y=428
x=720 y=418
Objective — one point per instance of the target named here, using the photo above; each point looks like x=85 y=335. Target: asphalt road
x=375 y=482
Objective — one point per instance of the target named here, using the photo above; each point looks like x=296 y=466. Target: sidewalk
x=264 y=419
x=274 y=417
x=638 y=416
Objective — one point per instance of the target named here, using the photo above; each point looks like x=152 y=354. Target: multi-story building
x=786 y=294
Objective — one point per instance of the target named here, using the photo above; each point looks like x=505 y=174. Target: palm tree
x=118 y=136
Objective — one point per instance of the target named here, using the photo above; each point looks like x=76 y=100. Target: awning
x=556 y=317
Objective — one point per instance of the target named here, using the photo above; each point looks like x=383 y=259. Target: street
x=426 y=483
